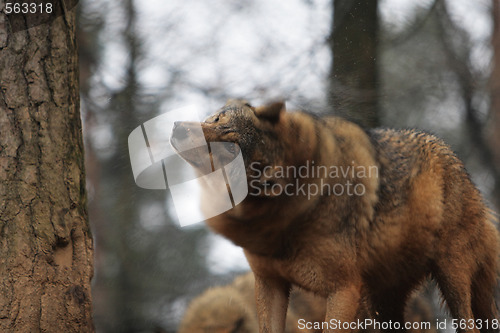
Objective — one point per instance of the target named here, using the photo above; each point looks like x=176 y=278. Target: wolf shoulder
x=401 y=155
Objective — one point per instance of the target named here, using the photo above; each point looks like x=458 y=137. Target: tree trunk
x=45 y=241
x=354 y=74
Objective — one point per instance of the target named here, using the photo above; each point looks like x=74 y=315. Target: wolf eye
x=230 y=148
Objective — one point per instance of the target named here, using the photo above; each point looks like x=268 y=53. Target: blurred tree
x=494 y=126
x=353 y=81
x=145 y=264
x=46 y=246
x=457 y=49
x=413 y=73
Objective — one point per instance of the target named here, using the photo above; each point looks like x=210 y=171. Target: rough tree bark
x=45 y=241
x=354 y=76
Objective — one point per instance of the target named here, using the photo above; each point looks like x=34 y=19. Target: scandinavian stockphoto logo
x=213 y=179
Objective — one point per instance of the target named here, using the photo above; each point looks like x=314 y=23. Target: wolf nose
x=179 y=132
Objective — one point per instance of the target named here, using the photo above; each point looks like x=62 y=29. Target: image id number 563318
x=28 y=8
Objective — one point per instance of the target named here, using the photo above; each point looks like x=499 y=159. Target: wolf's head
x=253 y=130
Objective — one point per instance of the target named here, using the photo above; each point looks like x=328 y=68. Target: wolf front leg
x=271 y=295
x=342 y=308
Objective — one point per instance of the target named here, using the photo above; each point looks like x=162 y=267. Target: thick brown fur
x=419 y=216
x=232 y=309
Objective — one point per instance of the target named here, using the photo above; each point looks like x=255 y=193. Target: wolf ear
x=271 y=111
x=237 y=102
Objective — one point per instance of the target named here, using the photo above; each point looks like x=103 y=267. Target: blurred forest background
x=427 y=64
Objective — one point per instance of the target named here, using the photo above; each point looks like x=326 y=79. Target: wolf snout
x=180 y=133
